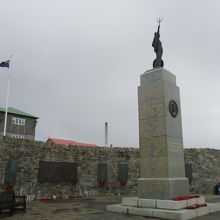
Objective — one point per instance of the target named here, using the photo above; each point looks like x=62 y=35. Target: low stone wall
x=206 y=169
x=29 y=153
x=205 y=163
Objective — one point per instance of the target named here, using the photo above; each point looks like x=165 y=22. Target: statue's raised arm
x=158 y=30
x=158 y=49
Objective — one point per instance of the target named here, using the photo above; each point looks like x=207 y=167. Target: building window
x=18 y=136
x=18 y=121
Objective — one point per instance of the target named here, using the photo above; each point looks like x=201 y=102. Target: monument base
x=165 y=209
x=162 y=188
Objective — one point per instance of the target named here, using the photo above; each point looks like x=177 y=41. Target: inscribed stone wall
x=29 y=153
x=205 y=164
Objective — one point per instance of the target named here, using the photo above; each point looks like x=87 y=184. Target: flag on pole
x=5 y=64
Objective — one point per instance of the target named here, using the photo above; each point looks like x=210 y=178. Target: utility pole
x=106 y=134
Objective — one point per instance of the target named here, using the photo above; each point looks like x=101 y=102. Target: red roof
x=67 y=142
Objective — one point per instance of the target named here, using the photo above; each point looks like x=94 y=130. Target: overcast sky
x=77 y=64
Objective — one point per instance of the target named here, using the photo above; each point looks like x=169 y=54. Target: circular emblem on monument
x=173 y=107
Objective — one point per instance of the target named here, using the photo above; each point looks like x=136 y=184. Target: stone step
x=161 y=204
x=183 y=214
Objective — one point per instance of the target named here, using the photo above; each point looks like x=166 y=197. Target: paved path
x=80 y=209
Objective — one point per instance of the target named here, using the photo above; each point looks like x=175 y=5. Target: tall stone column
x=162 y=169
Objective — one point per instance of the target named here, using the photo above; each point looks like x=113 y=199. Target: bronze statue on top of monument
x=158 y=49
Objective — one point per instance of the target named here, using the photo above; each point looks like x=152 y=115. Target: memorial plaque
x=11 y=171
x=102 y=172
x=50 y=172
x=122 y=172
x=189 y=171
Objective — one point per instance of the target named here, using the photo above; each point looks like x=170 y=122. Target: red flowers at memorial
x=180 y=198
x=101 y=183
x=123 y=183
x=195 y=206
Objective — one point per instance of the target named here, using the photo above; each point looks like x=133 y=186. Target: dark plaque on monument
x=102 y=172
x=173 y=107
x=11 y=171
x=122 y=171
x=50 y=172
x=189 y=171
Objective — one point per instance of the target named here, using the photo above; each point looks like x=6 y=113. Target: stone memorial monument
x=162 y=167
x=162 y=189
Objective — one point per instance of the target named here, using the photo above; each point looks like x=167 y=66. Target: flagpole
x=7 y=96
x=6 y=107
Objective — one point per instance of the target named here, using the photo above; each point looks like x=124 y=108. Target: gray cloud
x=76 y=64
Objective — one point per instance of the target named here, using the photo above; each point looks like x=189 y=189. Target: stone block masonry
x=205 y=164
x=206 y=169
x=164 y=209
x=29 y=153
x=162 y=170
